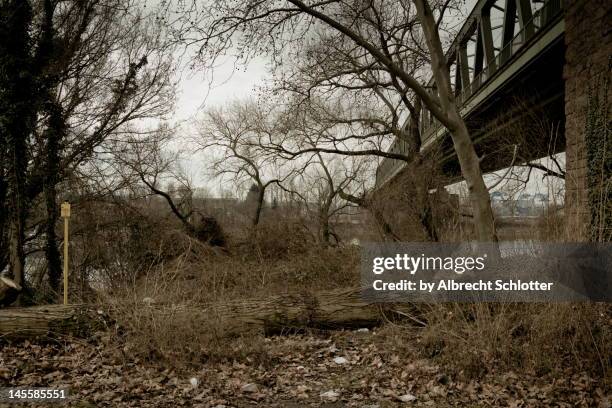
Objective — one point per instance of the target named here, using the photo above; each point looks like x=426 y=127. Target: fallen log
x=9 y=290
x=48 y=321
x=327 y=310
x=323 y=310
x=337 y=309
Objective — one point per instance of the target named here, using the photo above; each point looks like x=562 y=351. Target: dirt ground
x=341 y=369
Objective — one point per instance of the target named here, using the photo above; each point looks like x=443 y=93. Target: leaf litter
x=341 y=370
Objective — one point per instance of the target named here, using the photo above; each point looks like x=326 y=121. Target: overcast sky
x=200 y=90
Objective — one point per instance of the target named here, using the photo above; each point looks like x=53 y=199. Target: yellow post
x=66 y=215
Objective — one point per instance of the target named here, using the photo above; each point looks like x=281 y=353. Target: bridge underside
x=527 y=112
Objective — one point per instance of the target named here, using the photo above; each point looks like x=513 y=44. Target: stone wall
x=588 y=56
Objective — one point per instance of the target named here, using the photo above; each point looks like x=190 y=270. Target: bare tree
x=151 y=163
x=272 y=26
x=328 y=183
x=94 y=67
x=233 y=135
x=311 y=129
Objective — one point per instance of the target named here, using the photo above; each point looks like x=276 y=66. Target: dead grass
x=470 y=340
x=153 y=310
x=476 y=339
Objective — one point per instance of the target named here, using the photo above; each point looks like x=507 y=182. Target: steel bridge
x=508 y=54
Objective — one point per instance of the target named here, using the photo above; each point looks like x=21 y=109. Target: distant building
x=525 y=205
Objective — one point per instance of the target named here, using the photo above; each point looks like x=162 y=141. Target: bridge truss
x=498 y=39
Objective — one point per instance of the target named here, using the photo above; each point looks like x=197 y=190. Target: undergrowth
x=159 y=320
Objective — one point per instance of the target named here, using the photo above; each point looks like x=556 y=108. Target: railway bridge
x=518 y=62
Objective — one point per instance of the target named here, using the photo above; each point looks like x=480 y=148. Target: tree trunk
x=336 y=309
x=16 y=238
x=260 y=203
x=52 y=255
x=484 y=221
x=464 y=147
x=4 y=261
x=49 y=321
x=9 y=290
x=324 y=222
x=54 y=264
x=17 y=109
x=54 y=133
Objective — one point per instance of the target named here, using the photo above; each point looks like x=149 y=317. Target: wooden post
x=66 y=216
